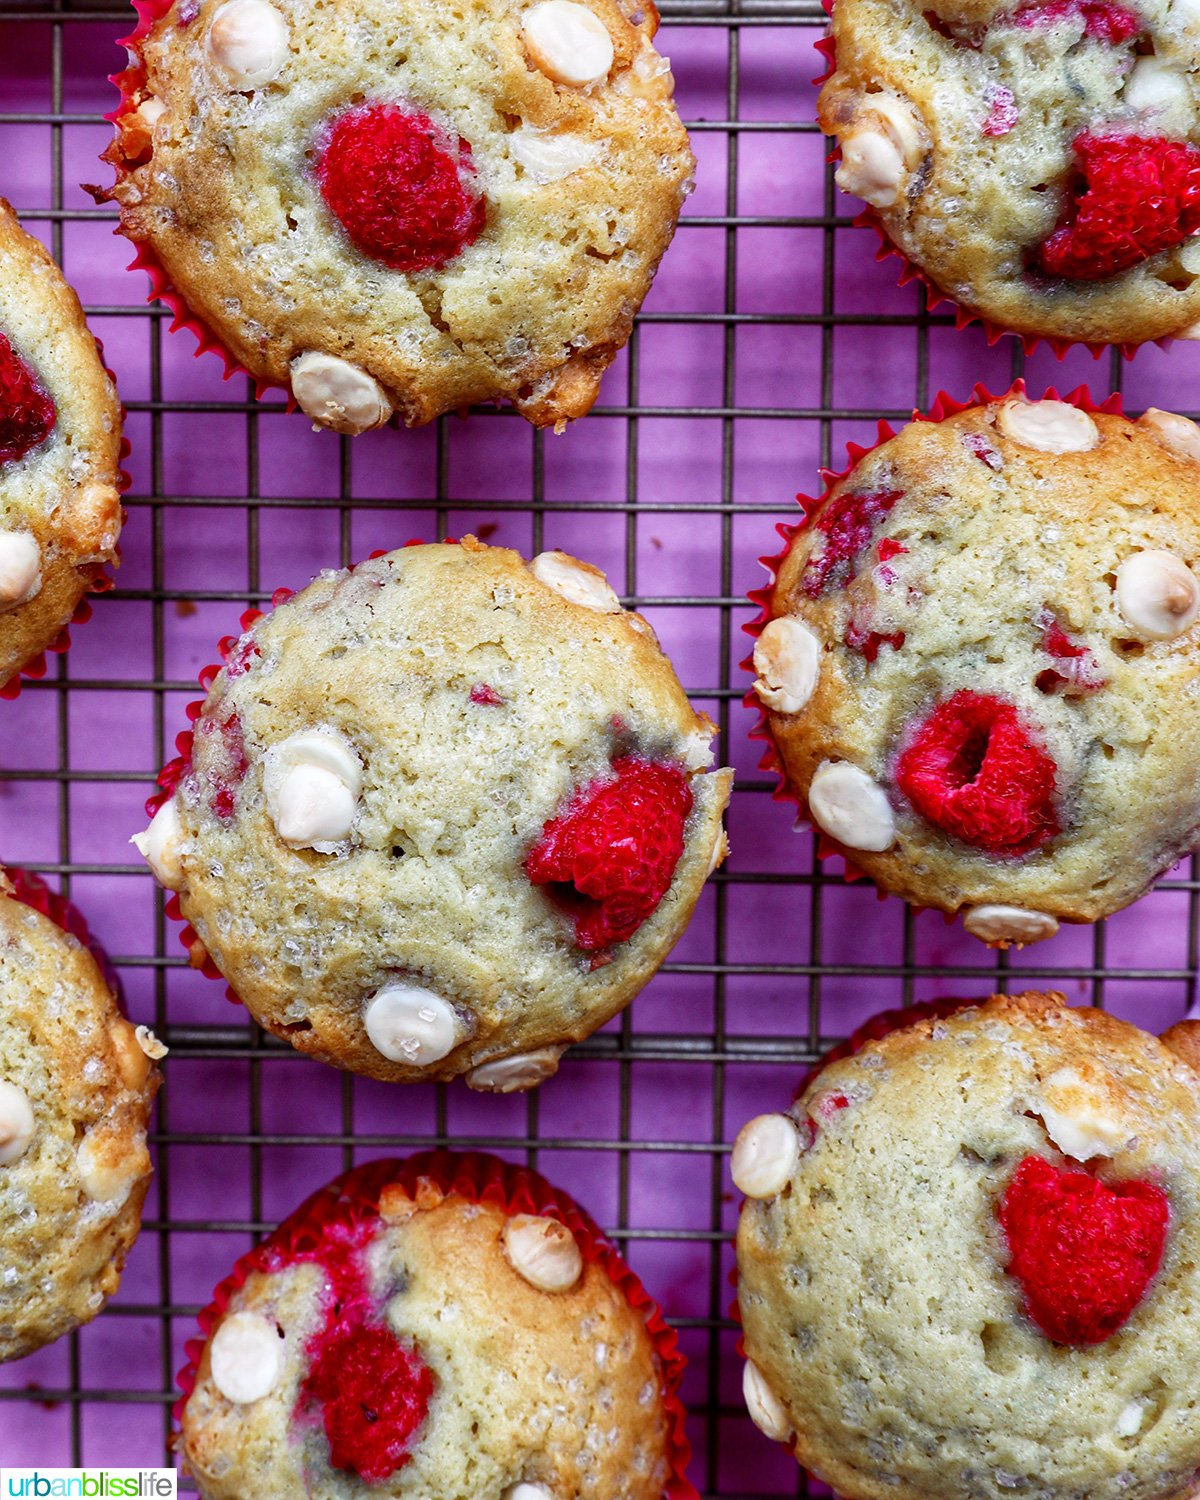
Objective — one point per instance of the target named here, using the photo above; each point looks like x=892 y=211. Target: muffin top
x=434 y=1328
x=76 y=1086
x=1038 y=160
x=979 y=658
x=396 y=207
x=470 y=789
x=60 y=445
x=969 y=1265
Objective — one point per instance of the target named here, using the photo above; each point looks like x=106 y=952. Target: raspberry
x=974 y=769
x=1076 y=670
x=374 y=1394
x=868 y=643
x=1003 y=113
x=611 y=853
x=26 y=412
x=984 y=450
x=1084 y=1252
x=484 y=695
x=1102 y=21
x=229 y=762
x=1134 y=196
x=848 y=523
x=402 y=188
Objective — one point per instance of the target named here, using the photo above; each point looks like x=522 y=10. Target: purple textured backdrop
x=770 y=339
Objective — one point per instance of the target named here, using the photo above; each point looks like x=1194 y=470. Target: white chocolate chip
x=1161 y=89
x=787 y=658
x=338 y=395
x=1192 y=331
x=527 y=1491
x=568 y=42
x=107 y=1175
x=408 y=1024
x=16 y=1123
x=548 y=156
x=1074 y=1110
x=1132 y=1417
x=765 y=1155
x=1157 y=594
x=160 y=845
x=847 y=805
x=149 y=1043
x=249 y=42
x=1173 y=431
x=511 y=1075
x=20 y=568
x=543 y=1251
x=872 y=168
x=246 y=1358
x=1048 y=426
x=576 y=581
x=698 y=753
x=880 y=150
x=151 y=111
x=1000 y=925
x=720 y=853
x=313 y=781
x=766 y=1410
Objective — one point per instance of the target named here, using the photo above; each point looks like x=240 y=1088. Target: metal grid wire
x=814 y=980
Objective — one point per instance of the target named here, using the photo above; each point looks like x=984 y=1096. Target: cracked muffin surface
x=406 y=208
x=1038 y=161
x=976 y=1271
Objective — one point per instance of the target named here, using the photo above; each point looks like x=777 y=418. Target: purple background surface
x=770 y=339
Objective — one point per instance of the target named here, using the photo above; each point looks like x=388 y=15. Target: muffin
x=60 y=447
x=977 y=660
x=1037 y=161
x=395 y=208
x=443 y=813
x=969 y=1262
x=438 y=1327
x=76 y=1085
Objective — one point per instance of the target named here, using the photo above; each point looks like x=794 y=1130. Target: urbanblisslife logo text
x=88 y=1484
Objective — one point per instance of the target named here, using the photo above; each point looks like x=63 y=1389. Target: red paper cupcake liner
x=32 y=890
x=35 y=669
x=943 y=407
x=162 y=289
x=869 y=218
x=350 y=1203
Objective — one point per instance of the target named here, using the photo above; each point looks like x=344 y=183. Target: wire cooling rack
x=771 y=338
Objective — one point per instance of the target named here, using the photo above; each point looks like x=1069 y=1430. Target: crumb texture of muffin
x=76 y=1087
x=60 y=449
x=403 y=208
x=404 y=1334
x=979 y=656
x=445 y=812
x=975 y=1269
x=1038 y=161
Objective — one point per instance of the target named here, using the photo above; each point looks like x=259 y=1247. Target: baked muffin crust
x=582 y=178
